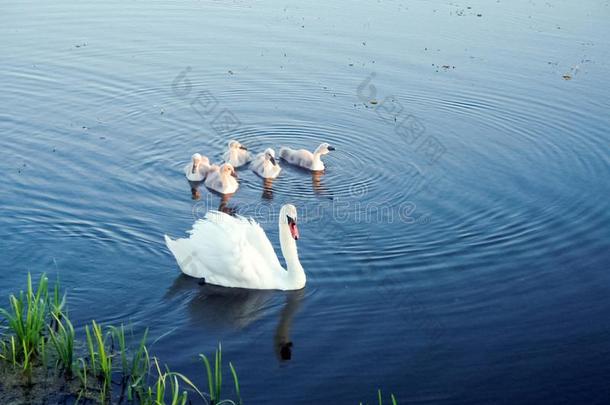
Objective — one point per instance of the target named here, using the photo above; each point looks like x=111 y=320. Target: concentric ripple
x=459 y=231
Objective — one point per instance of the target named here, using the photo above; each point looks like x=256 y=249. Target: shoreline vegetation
x=42 y=361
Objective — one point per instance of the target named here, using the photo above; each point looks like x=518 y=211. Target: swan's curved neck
x=296 y=274
x=317 y=163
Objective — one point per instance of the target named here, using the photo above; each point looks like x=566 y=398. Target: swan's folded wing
x=246 y=231
x=256 y=162
x=209 y=252
x=214 y=181
x=230 y=251
x=258 y=239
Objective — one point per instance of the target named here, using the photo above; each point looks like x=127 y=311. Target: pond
x=457 y=246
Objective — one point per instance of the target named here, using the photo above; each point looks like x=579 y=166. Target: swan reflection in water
x=281 y=339
x=195 y=189
x=237 y=308
x=224 y=206
x=267 y=189
x=316 y=182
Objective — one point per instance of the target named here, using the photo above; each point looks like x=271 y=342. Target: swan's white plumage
x=221 y=179
x=264 y=165
x=232 y=251
x=237 y=154
x=198 y=168
x=304 y=158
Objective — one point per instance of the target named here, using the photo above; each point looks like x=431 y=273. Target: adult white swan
x=237 y=155
x=222 y=179
x=198 y=168
x=305 y=158
x=235 y=252
x=265 y=165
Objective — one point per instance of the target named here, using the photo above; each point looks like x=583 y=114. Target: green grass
x=82 y=373
x=62 y=341
x=118 y=337
x=140 y=365
x=100 y=360
x=38 y=329
x=160 y=394
x=57 y=302
x=27 y=323
x=38 y=340
x=380 y=399
x=215 y=376
x=135 y=368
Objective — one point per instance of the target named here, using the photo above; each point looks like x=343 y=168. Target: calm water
x=457 y=247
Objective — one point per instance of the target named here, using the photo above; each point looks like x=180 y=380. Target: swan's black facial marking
x=272 y=159
x=242 y=147
x=292 y=225
x=331 y=148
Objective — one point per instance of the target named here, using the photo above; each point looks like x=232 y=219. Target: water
x=457 y=247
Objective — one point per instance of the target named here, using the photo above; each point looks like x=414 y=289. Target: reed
x=166 y=389
x=81 y=373
x=62 y=341
x=100 y=359
x=156 y=394
x=95 y=371
x=4 y=350
x=42 y=350
x=139 y=369
x=37 y=326
x=118 y=337
x=57 y=302
x=236 y=381
x=26 y=323
x=380 y=398
x=214 y=375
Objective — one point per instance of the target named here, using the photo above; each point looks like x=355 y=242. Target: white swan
x=222 y=179
x=198 y=169
x=305 y=158
x=235 y=252
x=264 y=165
x=237 y=155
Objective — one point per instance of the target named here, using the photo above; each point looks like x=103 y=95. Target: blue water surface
x=457 y=247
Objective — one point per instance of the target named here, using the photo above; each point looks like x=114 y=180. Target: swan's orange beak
x=294 y=231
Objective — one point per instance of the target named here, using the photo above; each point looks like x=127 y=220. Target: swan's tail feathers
x=169 y=243
x=173 y=246
x=182 y=252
